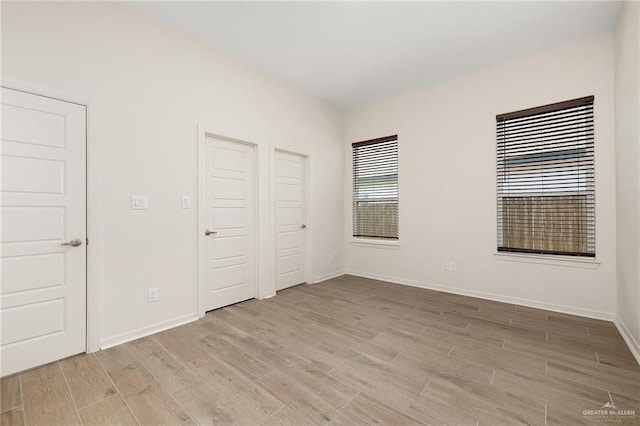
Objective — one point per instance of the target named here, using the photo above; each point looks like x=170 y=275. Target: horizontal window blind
x=545 y=179
x=375 y=188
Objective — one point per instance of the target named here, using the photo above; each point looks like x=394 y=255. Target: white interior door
x=43 y=207
x=290 y=219
x=230 y=223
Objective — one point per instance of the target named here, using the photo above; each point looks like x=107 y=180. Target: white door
x=43 y=208
x=290 y=218
x=230 y=223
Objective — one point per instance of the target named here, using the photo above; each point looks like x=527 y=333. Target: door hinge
x=87 y=241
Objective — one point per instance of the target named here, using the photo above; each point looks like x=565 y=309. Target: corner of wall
x=326 y=277
x=633 y=344
x=627 y=145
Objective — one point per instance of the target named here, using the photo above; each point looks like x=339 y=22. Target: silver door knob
x=76 y=242
x=207 y=232
x=303 y=226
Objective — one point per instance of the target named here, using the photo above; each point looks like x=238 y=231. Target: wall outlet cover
x=139 y=202
x=186 y=202
x=153 y=295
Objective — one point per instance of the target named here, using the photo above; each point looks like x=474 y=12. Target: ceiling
x=352 y=53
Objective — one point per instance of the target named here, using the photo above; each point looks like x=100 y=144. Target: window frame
x=375 y=240
x=548 y=161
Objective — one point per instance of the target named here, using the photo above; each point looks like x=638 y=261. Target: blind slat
x=375 y=188
x=545 y=179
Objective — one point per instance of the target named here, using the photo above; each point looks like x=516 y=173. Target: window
x=545 y=170
x=375 y=188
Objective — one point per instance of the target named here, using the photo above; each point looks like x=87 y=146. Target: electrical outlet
x=449 y=266
x=186 y=202
x=153 y=295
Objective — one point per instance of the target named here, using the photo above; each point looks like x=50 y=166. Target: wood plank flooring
x=346 y=351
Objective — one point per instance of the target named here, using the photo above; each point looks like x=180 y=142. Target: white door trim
x=262 y=286
x=94 y=195
x=308 y=263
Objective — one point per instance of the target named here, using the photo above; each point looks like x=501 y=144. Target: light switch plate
x=139 y=202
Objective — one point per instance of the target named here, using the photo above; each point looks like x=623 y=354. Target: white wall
x=627 y=102
x=447 y=178
x=148 y=87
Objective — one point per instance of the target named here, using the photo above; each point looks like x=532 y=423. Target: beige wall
x=627 y=103
x=148 y=87
x=447 y=149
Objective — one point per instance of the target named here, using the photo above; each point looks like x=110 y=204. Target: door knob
x=303 y=226
x=207 y=232
x=76 y=242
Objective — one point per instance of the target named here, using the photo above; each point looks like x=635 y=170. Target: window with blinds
x=545 y=171
x=375 y=188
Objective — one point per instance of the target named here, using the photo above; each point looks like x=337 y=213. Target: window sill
x=547 y=259
x=386 y=244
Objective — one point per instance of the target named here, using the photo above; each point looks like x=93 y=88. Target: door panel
x=35 y=272
x=290 y=191
x=230 y=213
x=50 y=315
x=25 y=224
x=230 y=189
x=30 y=126
x=231 y=218
x=46 y=177
x=290 y=263
x=230 y=247
x=230 y=276
x=43 y=204
x=289 y=240
x=290 y=217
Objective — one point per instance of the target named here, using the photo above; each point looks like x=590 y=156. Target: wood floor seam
x=349 y=350
x=118 y=391
x=68 y=389
x=159 y=383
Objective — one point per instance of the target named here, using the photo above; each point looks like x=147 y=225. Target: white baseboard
x=633 y=344
x=491 y=296
x=118 y=339
x=326 y=277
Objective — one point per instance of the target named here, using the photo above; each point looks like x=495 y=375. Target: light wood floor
x=346 y=351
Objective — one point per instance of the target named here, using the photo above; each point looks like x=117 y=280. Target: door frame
x=203 y=133
x=93 y=197
x=306 y=188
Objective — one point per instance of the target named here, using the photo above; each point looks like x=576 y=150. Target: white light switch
x=139 y=202
x=186 y=202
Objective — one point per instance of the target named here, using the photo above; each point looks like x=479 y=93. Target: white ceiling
x=351 y=53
